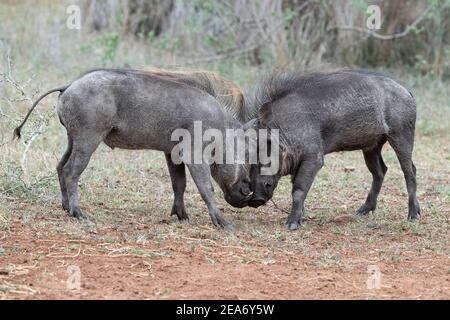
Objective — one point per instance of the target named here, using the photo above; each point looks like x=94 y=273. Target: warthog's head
x=234 y=180
x=263 y=186
x=265 y=175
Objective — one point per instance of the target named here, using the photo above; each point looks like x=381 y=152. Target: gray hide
x=134 y=109
x=320 y=113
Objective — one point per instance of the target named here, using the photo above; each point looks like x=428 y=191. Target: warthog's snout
x=240 y=195
x=263 y=187
x=257 y=202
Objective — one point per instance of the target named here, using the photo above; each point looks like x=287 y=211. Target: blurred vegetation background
x=306 y=34
x=303 y=33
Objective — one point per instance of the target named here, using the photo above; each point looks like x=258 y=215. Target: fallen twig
x=17 y=288
x=58 y=255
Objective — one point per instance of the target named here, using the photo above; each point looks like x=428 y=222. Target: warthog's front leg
x=178 y=178
x=201 y=174
x=301 y=183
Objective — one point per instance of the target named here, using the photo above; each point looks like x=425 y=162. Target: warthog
x=320 y=113
x=136 y=109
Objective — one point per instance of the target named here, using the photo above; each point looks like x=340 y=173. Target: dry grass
x=130 y=192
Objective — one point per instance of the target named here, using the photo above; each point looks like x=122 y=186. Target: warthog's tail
x=19 y=128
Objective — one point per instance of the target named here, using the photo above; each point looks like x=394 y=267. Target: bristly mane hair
x=228 y=94
x=224 y=90
x=273 y=87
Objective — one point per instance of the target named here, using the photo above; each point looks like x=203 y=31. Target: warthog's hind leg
x=62 y=181
x=84 y=145
x=403 y=147
x=378 y=169
x=301 y=183
x=201 y=174
x=178 y=178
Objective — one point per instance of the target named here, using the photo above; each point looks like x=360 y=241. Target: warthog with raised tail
x=137 y=109
x=320 y=113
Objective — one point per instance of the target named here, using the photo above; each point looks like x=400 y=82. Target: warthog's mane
x=228 y=94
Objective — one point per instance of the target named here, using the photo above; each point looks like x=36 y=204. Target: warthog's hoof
x=65 y=207
x=293 y=222
x=219 y=221
x=365 y=209
x=77 y=213
x=292 y=225
x=229 y=227
x=180 y=212
x=414 y=213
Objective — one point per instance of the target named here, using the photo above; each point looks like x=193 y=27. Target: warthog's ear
x=251 y=124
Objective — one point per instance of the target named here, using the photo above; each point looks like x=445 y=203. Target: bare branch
x=382 y=36
x=225 y=22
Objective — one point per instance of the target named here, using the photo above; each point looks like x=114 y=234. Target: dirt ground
x=132 y=249
x=201 y=268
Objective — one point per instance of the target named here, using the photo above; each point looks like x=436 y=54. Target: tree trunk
x=137 y=17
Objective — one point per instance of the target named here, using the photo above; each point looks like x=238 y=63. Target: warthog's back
x=137 y=110
x=344 y=110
